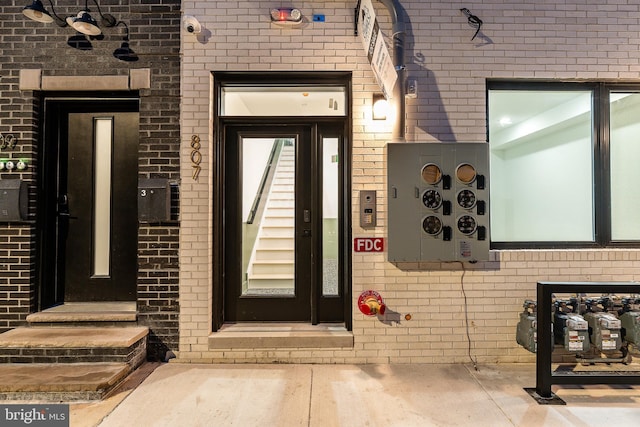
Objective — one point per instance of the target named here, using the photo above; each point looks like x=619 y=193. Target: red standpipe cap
x=365 y=309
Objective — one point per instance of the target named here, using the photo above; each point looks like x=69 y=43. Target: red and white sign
x=368 y=244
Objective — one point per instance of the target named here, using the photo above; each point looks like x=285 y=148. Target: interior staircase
x=271 y=266
x=75 y=351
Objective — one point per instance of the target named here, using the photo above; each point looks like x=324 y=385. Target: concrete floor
x=352 y=395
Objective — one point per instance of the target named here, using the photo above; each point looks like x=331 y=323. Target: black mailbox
x=154 y=200
x=14 y=200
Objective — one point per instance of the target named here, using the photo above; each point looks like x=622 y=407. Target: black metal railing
x=544 y=375
x=267 y=176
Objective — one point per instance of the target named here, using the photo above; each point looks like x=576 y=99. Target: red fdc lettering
x=368 y=244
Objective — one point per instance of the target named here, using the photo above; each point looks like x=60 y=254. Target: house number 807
x=196 y=157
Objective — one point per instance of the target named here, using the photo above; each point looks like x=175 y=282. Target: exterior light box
x=438 y=202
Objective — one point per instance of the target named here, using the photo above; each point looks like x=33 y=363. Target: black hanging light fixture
x=84 y=23
x=38 y=13
x=87 y=28
x=124 y=52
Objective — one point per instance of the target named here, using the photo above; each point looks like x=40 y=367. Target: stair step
x=275 y=254
x=72 y=337
x=268 y=243
x=285 y=232
x=280 y=213
x=277 y=222
x=272 y=280
x=281 y=335
x=269 y=283
x=87 y=314
x=281 y=203
x=74 y=344
x=272 y=267
x=60 y=381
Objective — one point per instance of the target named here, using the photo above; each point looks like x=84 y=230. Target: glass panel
x=330 y=197
x=102 y=198
x=625 y=174
x=283 y=101
x=268 y=204
x=541 y=166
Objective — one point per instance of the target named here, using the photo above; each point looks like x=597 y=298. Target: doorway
x=88 y=198
x=281 y=199
x=281 y=223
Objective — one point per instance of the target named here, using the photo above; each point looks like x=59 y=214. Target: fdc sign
x=368 y=244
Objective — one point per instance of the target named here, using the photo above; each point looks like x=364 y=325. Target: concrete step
x=281 y=335
x=74 y=345
x=56 y=382
x=87 y=314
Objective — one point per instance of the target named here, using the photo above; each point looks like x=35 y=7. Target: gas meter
x=576 y=334
x=526 y=331
x=570 y=329
x=630 y=320
x=605 y=331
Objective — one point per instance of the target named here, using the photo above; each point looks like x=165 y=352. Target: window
x=562 y=160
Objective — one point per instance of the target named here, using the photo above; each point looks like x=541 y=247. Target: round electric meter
x=467 y=224
x=466 y=173
x=432 y=199
x=467 y=199
x=432 y=225
x=431 y=173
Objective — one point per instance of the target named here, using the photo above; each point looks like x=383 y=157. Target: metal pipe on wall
x=398 y=97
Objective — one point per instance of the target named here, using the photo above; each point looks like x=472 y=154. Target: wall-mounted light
x=84 y=24
x=379 y=107
x=38 y=13
x=286 y=16
x=124 y=52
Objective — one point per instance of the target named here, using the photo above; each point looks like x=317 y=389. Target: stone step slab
x=74 y=344
x=60 y=381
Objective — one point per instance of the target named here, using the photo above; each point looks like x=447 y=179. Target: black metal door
x=90 y=203
x=275 y=228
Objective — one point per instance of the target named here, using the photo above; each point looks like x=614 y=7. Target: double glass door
x=282 y=212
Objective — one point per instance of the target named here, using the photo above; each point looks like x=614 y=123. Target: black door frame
x=218 y=173
x=55 y=107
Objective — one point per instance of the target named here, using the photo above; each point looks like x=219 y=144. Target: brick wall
x=18 y=119
x=154 y=36
x=569 y=40
x=17 y=295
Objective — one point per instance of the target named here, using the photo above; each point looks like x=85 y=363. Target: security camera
x=191 y=24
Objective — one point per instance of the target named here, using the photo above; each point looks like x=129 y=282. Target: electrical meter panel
x=438 y=202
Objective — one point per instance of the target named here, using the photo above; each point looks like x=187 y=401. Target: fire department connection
x=370 y=303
